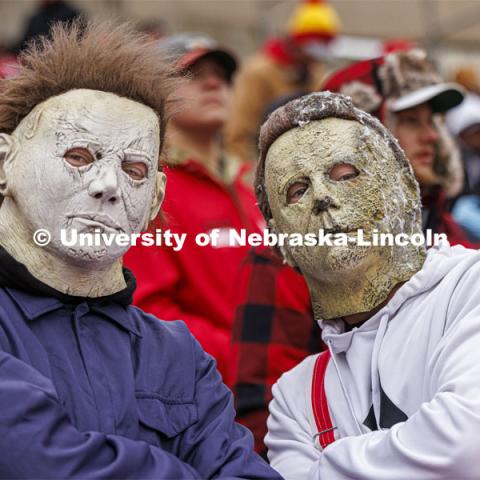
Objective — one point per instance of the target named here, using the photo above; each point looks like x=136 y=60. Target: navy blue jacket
x=106 y=391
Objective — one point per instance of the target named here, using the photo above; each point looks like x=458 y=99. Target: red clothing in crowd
x=437 y=218
x=273 y=331
x=197 y=284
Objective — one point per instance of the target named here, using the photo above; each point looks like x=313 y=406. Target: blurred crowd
x=246 y=307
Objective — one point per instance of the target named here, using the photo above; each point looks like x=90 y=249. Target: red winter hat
x=397 y=81
x=361 y=82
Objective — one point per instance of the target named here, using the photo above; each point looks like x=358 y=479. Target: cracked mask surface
x=350 y=279
x=53 y=194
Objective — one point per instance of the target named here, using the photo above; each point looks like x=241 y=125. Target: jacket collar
x=14 y=274
x=34 y=306
x=232 y=169
x=35 y=298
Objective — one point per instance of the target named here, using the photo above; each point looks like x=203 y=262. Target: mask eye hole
x=296 y=191
x=78 y=157
x=342 y=172
x=136 y=170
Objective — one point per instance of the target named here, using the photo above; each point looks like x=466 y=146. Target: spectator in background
x=48 y=12
x=464 y=122
x=285 y=65
x=205 y=192
x=398 y=44
x=467 y=77
x=407 y=95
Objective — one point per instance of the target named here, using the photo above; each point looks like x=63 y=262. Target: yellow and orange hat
x=314 y=20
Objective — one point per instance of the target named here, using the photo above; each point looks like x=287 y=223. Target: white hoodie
x=423 y=350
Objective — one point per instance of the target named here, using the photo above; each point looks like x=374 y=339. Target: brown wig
x=316 y=106
x=96 y=56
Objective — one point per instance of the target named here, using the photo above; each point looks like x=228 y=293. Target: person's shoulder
x=450 y=283
x=464 y=282
x=445 y=264
x=172 y=337
x=185 y=175
x=166 y=356
x=258 y=64
x=295 y=381
x=150 y=325
x=292 y=397
x=464 y=266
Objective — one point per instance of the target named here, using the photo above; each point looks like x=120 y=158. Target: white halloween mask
x=86 y=160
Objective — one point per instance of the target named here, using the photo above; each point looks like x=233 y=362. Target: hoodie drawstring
x=344 y=390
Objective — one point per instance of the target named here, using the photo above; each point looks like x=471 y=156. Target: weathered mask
x=341 y=175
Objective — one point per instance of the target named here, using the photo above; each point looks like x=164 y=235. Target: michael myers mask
x=326 y=165
x=82 y=124
x=86 y=160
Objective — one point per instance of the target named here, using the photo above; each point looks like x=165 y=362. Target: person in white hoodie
x=397 y=394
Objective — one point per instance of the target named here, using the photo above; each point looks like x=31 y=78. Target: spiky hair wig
x=309 y=108
x=97 y=56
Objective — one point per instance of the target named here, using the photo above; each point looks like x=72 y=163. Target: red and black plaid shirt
x=273 y=331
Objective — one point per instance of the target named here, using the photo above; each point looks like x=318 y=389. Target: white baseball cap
x=465 y=115
x=441 y=97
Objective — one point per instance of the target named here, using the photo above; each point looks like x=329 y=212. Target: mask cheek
x=296 y=218
x=137 y=205
x=158 y=196
x=284 y=250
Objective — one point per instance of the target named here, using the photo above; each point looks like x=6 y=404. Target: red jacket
x=197 y=284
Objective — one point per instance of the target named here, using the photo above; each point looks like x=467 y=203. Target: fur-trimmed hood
x=376 y=85
x=448 y=162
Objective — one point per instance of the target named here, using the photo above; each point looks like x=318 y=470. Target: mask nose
x=105 y=186
x=322 y=204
